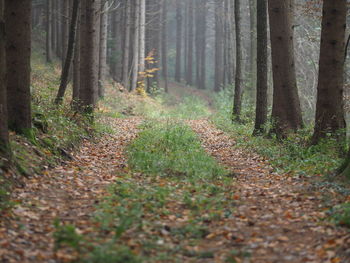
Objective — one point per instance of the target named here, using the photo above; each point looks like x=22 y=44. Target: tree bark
x=261 y=68
x=70 y=53
x=286 y=112
x=330 y=106
x=18 y=52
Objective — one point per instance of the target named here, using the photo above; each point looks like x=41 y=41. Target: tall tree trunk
x=330 y=106
x=178 y=40
x=219 y=45
x=286 y=112
x=164 y=44
x=261 y=82
x=103 y=49
x=49 y=31
x=237 y=104
x=53 y=26
x=69 y=56
x=253 y=48
x=89 y=51
x=18 y=52
x=203 y=45
x=4 y=135
x=76 y=66
x=136 y=40
x=65 y=28
x=142 y=36
x=126 y=45
x=189 y=75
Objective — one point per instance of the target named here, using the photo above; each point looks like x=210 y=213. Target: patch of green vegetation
x=171 y=149
x=294 y=155
x=340 y=215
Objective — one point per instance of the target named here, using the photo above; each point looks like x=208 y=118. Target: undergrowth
x=164 y=207
x=293 y=156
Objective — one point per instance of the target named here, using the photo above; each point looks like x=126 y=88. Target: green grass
x=340 y=215
x=171 y=149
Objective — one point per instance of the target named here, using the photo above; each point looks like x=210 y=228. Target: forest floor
x=272 y=217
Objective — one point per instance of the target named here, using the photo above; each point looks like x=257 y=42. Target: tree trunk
x=4 y=136
x=18 y=52
x=178 y=40
x=70 y=52
x=164 y=44
x=219 y=45
x=136 y=40
x=237 y=104
x=330 y=106
x=65 y=28
x=49 y=31
x=261 y=82
x=76 y=65
x=253 y=47
x=103 y=49
x=89 y=51
x=126 y=45
x=189 y=75
x=200 y=43
x=142 y=36
x=286 y=112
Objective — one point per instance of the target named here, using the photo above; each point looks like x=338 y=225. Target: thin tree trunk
x=103 y=49
x=237 y=104
x=164 y=44
x=65 y=24
x=18 y=52
x=189 y=75
x=76 y=65
x=261 y=82
x=49 y=31
x=142 y=35
x=219 y=47
x=135 y=64
x=253 y=47
x=126 y=45
x=70 y=52
x=178 y=40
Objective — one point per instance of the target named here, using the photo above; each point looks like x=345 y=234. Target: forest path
x=69 y=192
x=278 y=218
